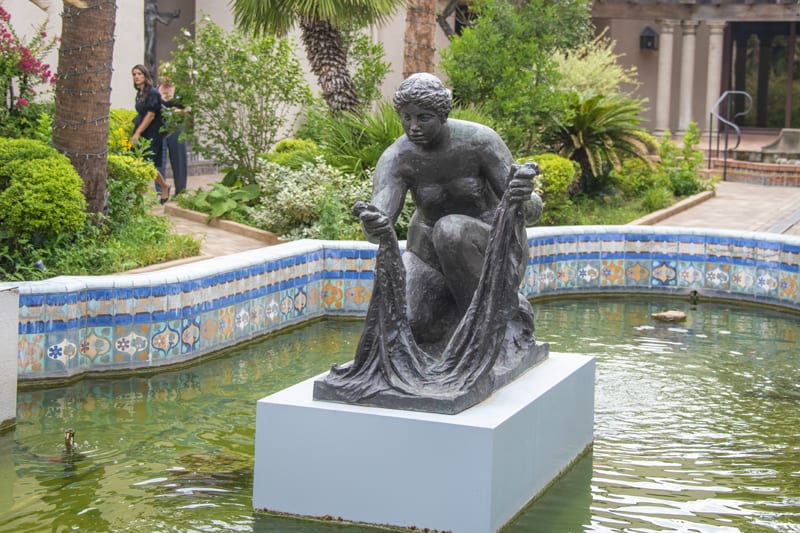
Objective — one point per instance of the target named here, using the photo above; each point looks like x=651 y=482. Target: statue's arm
x=388 y=195
x=503 y=174
x=496 y=162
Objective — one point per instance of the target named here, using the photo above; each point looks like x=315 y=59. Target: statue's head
x=426 y=91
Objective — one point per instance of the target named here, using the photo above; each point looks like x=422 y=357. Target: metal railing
x=727 y=124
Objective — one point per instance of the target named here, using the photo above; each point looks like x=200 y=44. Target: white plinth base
x=470 y=472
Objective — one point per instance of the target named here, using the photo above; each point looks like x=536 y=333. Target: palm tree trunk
x=418 y=55
x=328 y=57
x=83 y=93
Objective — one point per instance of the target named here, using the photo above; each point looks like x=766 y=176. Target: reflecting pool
x=697 y=428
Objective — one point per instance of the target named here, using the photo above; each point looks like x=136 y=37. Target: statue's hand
x=374 y=223
x=521 y=185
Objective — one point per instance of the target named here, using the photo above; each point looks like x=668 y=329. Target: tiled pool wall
x=71 y=325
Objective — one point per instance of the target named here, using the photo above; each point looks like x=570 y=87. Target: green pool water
x=697 y=429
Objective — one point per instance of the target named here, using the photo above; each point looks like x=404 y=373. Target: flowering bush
x=312 y=202
x=21 y=70
x=241 y=92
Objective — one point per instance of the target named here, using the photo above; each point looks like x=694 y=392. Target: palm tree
x=83 y=92
x=419 y=36
x=597 y=133
x=321 y=23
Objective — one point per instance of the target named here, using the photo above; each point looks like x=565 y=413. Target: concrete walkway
x=746 y=207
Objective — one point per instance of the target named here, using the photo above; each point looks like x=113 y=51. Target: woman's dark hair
x=427 y=91
x=148 y=80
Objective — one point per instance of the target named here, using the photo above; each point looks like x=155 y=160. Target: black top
x=150 y=102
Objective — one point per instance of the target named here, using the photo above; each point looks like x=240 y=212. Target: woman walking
x=174 y=146
x=147 y=124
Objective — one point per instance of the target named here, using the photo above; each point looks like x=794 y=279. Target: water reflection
x=695 y=430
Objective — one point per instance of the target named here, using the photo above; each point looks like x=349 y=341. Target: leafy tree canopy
x=505 y=61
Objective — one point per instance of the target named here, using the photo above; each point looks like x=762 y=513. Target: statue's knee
x=447 y=229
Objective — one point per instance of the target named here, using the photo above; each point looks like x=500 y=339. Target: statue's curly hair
x=427 y=91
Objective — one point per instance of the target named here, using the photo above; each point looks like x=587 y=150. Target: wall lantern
x=648 y=40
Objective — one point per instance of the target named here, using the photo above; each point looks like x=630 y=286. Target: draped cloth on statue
x=492 y=344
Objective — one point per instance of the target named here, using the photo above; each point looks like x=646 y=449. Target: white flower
x=187 y=33
x=253 y=58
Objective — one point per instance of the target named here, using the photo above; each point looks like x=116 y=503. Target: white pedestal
x=470 y=472
x=9 y=325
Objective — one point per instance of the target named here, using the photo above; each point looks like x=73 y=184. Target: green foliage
x=504 y=62
x=293 y=153
x=129 y=180
x=222 y=201
x=12 y=150
x=557 y=174
x=313 y=202
x=241 y=92
x=597 y=132
x=278 y=17
x=43 y=198
x=635 y=177
x=594 y=68
x=365 y=61
x=680 y=167
x=353 y=143
x=656 y=198
x=472 y=113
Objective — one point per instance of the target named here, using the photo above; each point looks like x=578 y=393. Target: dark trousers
x=177 y=160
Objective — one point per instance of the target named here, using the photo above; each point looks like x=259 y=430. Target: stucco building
x=687 y=52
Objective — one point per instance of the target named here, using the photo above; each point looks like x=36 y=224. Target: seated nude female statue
x=456 y=172
x=446 y=324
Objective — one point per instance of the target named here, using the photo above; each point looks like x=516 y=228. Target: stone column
x=716 y=29
x=664 y=89
x=687 y=73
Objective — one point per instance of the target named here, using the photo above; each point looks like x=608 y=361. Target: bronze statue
x=152 y=16
x=446 y=325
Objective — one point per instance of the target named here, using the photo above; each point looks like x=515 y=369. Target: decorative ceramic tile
x=588 y=273
x=788 y=288
x=767 y=282
x=691 y=275
x=546 y=277
x=718 y=276
x=566 y=277
x=691 y=247
x=743 y=279
x=664 y=273
x=190 y=335
x=637 y=273
x=612 y=273
x=148 y=319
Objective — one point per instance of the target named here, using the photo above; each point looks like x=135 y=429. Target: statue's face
x=422 y=126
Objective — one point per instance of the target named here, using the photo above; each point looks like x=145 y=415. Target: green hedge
x=558 y=173
x=43 y=199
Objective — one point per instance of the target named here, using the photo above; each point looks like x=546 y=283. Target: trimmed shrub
x=558 y=173
x=293 y=153
x=20 y=149
x=43 y=199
